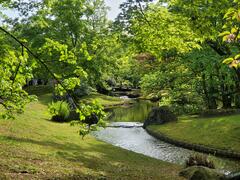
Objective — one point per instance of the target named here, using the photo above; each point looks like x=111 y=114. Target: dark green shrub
x=199 y=160
x=59 y=110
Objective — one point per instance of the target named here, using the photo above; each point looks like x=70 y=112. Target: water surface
x=126 y=131
x=138 y=140
x=136 y=112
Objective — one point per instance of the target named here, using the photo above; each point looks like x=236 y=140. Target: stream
x=125 y=131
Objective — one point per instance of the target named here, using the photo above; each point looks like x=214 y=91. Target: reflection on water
x=138 y=140
x=137 y=112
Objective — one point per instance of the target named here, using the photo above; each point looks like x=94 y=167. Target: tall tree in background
x=182 y=28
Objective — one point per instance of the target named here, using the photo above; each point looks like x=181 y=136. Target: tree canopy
x=171 y=49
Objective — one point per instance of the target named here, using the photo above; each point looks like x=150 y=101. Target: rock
x=133 y=95
x=91 y=119
x=159 y=115
x=201 y=173
x=199 y=160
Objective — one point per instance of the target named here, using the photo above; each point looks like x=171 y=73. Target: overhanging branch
x=41 y=62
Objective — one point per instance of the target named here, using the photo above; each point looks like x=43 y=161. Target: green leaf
x=234 y=30
x=228 y=61
x=237 y=57
x=224 y=33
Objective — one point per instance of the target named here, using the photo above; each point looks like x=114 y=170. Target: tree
x=183 y=34
x=66 y=35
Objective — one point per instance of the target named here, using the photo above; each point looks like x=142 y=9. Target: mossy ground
x=32 y=147
x=219 y=132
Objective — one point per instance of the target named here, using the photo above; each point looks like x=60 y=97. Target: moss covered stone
x=160 y=115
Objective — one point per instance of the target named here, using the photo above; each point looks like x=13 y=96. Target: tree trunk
x=212 y=92
x=237 y=87
x=209 y=98
x=227 y=101
x=226 y=97
x=237 y=101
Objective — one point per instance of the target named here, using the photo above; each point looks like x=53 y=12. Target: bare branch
x=143 y=14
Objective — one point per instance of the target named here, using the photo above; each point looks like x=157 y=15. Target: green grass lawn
x=219 y=132
x=32 y=147
x=107 y=101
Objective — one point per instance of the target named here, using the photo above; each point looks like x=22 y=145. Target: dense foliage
x=179 y=49
x=67 y=42
x=172 y=49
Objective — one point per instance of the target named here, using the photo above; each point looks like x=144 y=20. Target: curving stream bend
x=131 y=136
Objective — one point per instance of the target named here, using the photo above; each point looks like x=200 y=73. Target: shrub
x=199 y=160
x=59 y=110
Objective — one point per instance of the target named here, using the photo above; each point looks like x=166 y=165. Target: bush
x=200 y=160
x=59 y=110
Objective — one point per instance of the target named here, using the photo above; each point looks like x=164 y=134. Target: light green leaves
x=232 y=22
x=91 y=117
x=58 y=52
x=15 y=70
x=228 y=60
x=79 y=72
x=230 y=36
x=167 y=32
x=230 y=13
x=233 y=62
x=60 y=109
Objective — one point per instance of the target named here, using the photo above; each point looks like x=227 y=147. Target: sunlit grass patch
x=219 y=132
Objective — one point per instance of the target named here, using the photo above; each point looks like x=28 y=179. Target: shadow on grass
x=101 y=160
x=88 y=157
x=66 y=146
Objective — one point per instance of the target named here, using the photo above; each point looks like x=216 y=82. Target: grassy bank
x=32 y=147
x=219 y=132
x=106 y=101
